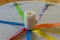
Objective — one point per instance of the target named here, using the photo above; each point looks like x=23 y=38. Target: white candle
x=30 y=20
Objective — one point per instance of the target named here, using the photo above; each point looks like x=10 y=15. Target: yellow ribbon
x=47 y=37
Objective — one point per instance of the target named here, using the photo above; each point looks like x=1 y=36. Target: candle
x=29 y=19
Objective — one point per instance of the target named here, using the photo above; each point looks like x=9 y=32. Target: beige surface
x=51 y=15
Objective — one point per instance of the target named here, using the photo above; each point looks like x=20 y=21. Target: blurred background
x=2 y=2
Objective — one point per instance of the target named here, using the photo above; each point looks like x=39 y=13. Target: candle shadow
x=33 y=36
x=52 y=30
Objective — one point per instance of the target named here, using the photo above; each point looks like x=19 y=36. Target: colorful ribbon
x=18 y=34
x=46 y=25
x=47 y=37
x=19 y=11
x=43 y=10
x=11 y=23
x=28 y=35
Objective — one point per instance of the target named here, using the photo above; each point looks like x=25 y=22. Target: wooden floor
x=7 y=1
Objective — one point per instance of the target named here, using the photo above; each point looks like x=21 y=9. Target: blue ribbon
x=28 y=35
x=11 y=23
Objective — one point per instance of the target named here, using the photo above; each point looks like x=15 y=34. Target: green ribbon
x=21 y=13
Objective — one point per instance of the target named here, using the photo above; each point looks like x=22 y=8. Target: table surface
x=9 y=12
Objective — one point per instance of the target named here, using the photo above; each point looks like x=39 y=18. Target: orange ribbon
x=46 y=25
